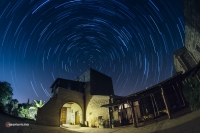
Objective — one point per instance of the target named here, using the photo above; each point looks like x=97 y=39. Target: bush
x=192 y=93
x=5 y=94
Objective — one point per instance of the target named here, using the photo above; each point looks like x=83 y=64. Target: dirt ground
x=186 y=124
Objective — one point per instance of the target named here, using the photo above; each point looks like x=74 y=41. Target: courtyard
x=188 y=123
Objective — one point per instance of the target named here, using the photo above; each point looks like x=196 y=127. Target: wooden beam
x=153 y=104
x=110 y=111
x=110 y=116
x=166 y=103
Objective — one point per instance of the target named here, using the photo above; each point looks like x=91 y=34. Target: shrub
x=192 y=93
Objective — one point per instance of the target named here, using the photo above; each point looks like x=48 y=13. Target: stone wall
x=191 y=10
x=93 y=107
x=192 y=34
x=177 y=65
x=50 y=113
x=184 y=60
x=116 y=114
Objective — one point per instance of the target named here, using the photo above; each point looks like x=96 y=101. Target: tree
x=192 y=93
x=38 y=104
x=24 y=112
x=33 y=109
x=12 y=107
x=5 y=94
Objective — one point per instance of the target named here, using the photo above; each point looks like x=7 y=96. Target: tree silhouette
x=5 y=94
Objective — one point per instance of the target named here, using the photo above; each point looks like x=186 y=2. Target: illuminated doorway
x=77 y=118
x=71 y=113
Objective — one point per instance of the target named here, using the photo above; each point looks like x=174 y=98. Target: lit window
x=126 y=105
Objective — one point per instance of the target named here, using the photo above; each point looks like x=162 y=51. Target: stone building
x=189 y=56
x=78 y=101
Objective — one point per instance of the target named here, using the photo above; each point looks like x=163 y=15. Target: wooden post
x=110 y=116
x=152 y=104
x=133 y=114
x=155 y=103
x=110 y=111
x=123 y=114
x=166 y=104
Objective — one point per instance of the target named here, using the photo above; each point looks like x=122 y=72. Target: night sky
x=131 y=41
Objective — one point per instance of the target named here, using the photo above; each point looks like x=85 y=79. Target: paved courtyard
x=185 y=124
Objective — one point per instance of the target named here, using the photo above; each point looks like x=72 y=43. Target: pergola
x=164 y=94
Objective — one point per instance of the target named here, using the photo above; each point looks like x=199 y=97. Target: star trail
x=131 y=41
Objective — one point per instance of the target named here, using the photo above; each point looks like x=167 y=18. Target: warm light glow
x=71 y=113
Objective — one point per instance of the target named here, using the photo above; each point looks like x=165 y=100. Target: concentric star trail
x=131 y=41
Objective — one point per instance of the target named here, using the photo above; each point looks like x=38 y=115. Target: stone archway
x=50 y=113
x=71 y=113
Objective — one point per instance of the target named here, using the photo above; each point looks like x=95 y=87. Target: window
x=126 y=105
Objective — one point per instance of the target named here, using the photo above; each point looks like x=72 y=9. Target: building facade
x=78 y=101
x=189 y=56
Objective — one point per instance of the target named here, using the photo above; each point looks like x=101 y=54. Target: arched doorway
x=71 y=113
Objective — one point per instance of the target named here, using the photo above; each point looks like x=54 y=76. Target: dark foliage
x=192 y=93
x=5 y=94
